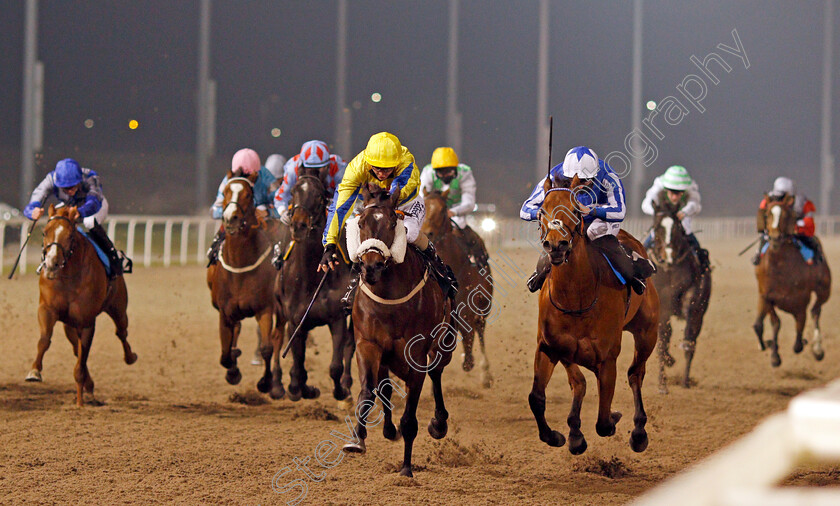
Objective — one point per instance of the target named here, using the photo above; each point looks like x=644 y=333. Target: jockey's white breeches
x=100 y=215
x=460 y=221
x=415 y=213
x=600 y=228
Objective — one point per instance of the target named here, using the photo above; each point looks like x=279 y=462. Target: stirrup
x=277 y=260
x=350 y=296
x=127 y=263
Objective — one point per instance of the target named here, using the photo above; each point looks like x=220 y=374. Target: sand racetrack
x=169 y=430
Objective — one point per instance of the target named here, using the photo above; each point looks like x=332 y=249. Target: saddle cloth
x=806 y=252
x=101 y=254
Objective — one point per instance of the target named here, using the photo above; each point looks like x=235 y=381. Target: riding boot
x=757 y=257
x=535 y=282
x=701 y=254
x=350 y=296
x=215 y=246
x=443 y=273
x=279 y=254
x=476 y=248
x=97 y=233
x=633 y=267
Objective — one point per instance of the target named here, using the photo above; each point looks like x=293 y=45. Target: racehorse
x=242 y=280
x=74 y=289
x=785 y=280
x=401 y=318
x=583 y=309
x=296 y=284
x=684 y=287
x=475 y=292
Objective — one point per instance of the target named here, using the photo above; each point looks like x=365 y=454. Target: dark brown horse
x=296 y=284
x=475 y=290
x=242 y=281
x=401 y=319
x=583 y=309
x=74 y=289
x=684 y=287
x=785 y=280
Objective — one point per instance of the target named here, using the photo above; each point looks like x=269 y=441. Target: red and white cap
x=314 y=154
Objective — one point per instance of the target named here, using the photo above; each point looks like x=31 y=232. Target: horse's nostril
x=546 y=245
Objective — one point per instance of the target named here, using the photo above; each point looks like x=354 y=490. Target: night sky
x=274 y=62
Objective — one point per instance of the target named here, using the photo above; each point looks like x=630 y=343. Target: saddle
x=806 y=252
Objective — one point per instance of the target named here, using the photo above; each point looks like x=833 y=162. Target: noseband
x=65 y=253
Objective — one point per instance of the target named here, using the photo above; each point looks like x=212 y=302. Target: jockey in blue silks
x=604 y=197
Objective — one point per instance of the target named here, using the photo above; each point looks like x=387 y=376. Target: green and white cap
x=676 y=178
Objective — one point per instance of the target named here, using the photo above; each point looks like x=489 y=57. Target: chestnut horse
x=684 y=287
x=475 y=290
x=401 y=318
x=74 y=289
x=242 y=281
x=785 y=280
x=583 y=309
x=296 y=284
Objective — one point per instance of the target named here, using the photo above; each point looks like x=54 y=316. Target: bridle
x=783 y=237
x=557 y=223
x=686 y=248
x=313 y=217
x=377 y=205
x=65 y=253
x=239 y=206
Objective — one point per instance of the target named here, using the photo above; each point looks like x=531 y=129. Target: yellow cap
x=444 y=157
x=383 y=150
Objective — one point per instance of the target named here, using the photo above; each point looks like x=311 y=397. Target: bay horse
x=401 y=319
x=296 y=284
x=242 y=281
x=785 y=280
x=583 y=309
x=74 y=288
x=683 y=285
x=475 y=292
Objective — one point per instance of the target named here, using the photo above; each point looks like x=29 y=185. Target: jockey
x=804 y=211
x=677 y=187
x=313 y=154
x=386 y=163
x=247 y=162
x=605 y=200
x=445 y=173
x=73 y=185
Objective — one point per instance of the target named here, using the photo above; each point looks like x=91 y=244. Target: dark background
x=274 y=62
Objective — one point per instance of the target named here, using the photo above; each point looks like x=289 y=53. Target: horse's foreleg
x=349 y=349
x=577 y=443
x=265 y=320
x=665 y=358
x=693 y=324
x=338 y=331
x=384 y=390
x=467 y=339
x=277 y=390
x=368 y=360
x=297 y=384
x=543 y=369
x=800 y=327
x=644 y=341
x=776 y=325
x=81 y=374
x=408 y=422
x=605 y=426
x=228 y=360
x=46 y=321
x=438 y=426
x=758 y=326
x=486 y=377
x=822 y=295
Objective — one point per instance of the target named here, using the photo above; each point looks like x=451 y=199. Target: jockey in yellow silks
x=385 y=162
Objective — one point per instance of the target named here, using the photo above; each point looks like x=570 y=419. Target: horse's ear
x=365 y=192
x=789 y=200
x=445 y=195
x=575 y=182
x=73 y=214
x=51 y=211
x=252 y=177
x=230 y=174
x=395 y=198
x=548 y=184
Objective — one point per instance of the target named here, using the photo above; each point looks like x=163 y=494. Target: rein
x=575 y=312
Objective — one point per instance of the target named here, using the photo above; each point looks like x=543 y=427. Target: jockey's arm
x=427 y=179
x=345 y=196
x=611 y=206
x=93 y=196
x=531 y=207
x=805 y=225
x=216 y=208
x=692 y=206
x=651 y=197
x=467 y=204
x=39 y=196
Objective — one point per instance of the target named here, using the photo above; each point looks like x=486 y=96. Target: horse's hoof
x=406 y=471
x=663 y=390
x=277 y=392
x=233 y=376
x=638 y=440
x=235 y=353
x=798 y=345
x=775 y=360
x=355 y=447
x=438 y=429
x=668 y=359
x=686 y=383
x=553 y=438
x=308 y=392
x=294 y=394
x=256 y=361
x=819 y=354
x=391 y=433
x=577 y=444
x=34 y=375
x=341 y=394
x=130 y=359
x=605 y=430
x=345 y=404
x=264 y=384
x=469 y=362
